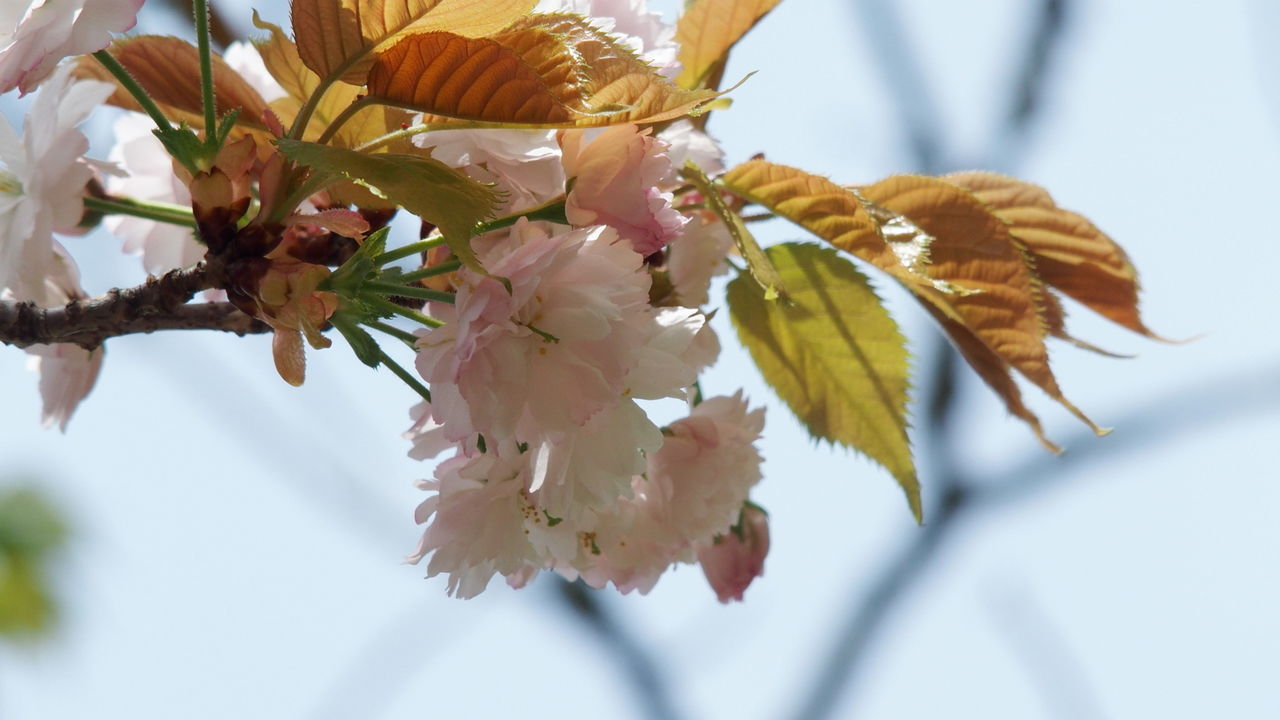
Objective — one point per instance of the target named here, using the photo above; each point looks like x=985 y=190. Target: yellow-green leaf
x=706 y=32
x=422 y=185
x=833 y=354
x=338 y=39
x=757 y=262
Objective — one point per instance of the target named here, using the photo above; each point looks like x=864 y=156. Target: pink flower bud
x=732 y=561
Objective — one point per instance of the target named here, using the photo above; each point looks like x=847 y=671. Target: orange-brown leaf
x=1070 y=252
x=477 y=79
x=827 y=210
x=643 y=97
x=708 y=29
x=993 y=370
x=339 y=39
x=945 y=246
x=544 y=71
x=973 y=250
x=603 y=58
x=168 y=68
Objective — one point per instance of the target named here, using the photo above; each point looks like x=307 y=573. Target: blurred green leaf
x=28 y=524
x=30 y=530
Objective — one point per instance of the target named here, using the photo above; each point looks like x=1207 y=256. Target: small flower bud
x=733 y=560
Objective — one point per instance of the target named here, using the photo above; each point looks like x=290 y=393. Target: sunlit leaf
x=642 y=98
x=168 y=68
x=338 y=39
x=833 y=354
x=480 y=78
x=758 y=263
x=993 y=370
x=422 y=185
x=973 y=250
x=1070 y=253
x=544 y=71
x=621 y=85
x=602 y=58
x=831 y=212
x=706 y=32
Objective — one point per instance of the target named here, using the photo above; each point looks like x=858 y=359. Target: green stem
x=430 y=271
x=160 y=212
x=201 y=9
x=552 y=211
x=407 y=250
x=341 y=120
x=403 y=335
x=126 y=81
x=390 y=308
x=409 y=132
x=404 y=375
x=308 y=109
x=409 y=291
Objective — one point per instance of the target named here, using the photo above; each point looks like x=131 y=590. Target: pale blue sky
x=238 y=541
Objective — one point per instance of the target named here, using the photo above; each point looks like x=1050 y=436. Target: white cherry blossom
x=36 y=36
x=149 y=177
x=42 y=181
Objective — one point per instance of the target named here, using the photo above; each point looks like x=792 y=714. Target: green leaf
x=833 y=354
x=182 y=143
x=757 y=262
x=361 y=342
x=422 y=185
x=349 y=279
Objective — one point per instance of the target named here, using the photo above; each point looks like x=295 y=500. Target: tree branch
x=157 y=304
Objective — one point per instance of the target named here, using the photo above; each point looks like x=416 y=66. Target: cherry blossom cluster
x=537 y=371
x=540 y=360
